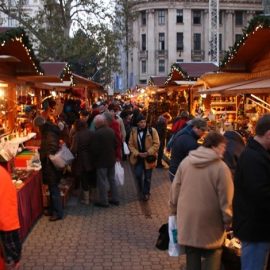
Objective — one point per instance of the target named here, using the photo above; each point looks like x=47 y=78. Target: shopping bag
x=174 y=248
x=119 y=174
x=62 y=158
x=163 y=238
x=126 y=149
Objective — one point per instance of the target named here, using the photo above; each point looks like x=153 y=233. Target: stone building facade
x=165 y=32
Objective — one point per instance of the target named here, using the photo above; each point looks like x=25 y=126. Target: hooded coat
x=201 y=197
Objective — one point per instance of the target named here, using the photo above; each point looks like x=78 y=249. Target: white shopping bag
x=174 y=248
x=119 y=174
x=126 y=149
x=62 y=158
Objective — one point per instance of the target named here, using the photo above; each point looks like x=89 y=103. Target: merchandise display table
x=30 y=202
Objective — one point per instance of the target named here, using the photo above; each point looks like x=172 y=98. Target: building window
x=161 y=41
x=179 y=16
x=220 y=17
x=180 y=41
x=197 y=17
x=161 y=65
x=143 y=42
x=220 y=42
x=197 y=42
x=143 y=17
x=239 y=18
x=143 y=66
x=161 y=17
x=238 y=37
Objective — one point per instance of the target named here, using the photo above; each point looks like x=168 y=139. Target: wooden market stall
x=240 y=92
x=17 y=60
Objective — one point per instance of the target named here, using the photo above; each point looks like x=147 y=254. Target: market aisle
x=105 y=239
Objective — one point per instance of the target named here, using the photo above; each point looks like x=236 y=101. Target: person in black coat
x=251 y=203
x=235 y=146
x=104 y=151
x=82 y=148
x=50 y=144
x=185 y=141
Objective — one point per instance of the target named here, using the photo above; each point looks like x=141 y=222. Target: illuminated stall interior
x=240 y=92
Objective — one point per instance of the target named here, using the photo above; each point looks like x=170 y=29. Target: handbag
x=151 y=159
x=62 y=158
x=119 y=174
x=163 y=238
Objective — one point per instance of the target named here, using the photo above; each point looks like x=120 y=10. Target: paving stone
x=116 y=238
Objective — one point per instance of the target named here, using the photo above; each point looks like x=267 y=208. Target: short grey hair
x=99 y=120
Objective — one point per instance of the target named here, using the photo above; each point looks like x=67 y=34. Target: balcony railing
x=197 y=55
x=161 y=53
x=143 y=54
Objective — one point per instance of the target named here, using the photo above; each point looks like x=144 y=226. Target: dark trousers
x=55 y=200
x=88 y=180
x=212 y=258
x=143 y=177
x=160 y=151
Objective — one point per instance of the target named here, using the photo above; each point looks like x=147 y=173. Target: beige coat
x=201 y=196
x=151 y=145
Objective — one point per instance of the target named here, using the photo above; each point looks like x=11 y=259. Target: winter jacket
x=151 y=145
x=251 y=203
x=50 y=138
x=82 y=148
x=9 y=219
x=235 y=146
x=201 y=197
x=184 y=141
x=104 y=147
x=115 y=126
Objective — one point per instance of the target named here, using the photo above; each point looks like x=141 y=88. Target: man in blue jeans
x=251 y=203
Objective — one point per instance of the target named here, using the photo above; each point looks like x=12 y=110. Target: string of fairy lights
x=255 y=24
x=19 y=35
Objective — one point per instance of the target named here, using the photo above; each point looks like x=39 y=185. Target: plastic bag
x=119 y=174
x=174 y=247
x=62 y=158
x=126 y=149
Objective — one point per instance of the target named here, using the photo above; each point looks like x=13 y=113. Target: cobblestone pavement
x=115 y=238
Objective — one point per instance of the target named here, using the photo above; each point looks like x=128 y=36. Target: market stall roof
x=16 y=54
x=251 y=48
x=196 y=69
x=79 y=80
x=228 y=87
x=54 y=68
x=157 y=81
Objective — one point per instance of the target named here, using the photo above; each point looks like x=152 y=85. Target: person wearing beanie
x=143 y=145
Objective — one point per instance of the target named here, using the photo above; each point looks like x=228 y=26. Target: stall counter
x=30 y=202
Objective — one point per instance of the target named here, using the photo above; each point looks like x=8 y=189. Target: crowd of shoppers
x=217 y=182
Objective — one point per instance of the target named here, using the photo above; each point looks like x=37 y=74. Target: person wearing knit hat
x=143 y=145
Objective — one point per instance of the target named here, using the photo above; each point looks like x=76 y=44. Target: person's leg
x=85 y=187
x=55 y=198
x=160 y=152
x=212 y=259
x=254 y=255
x=138 y=171
x=113 y=186
x=102 y=185
x=147 y=181
x=193 y=258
